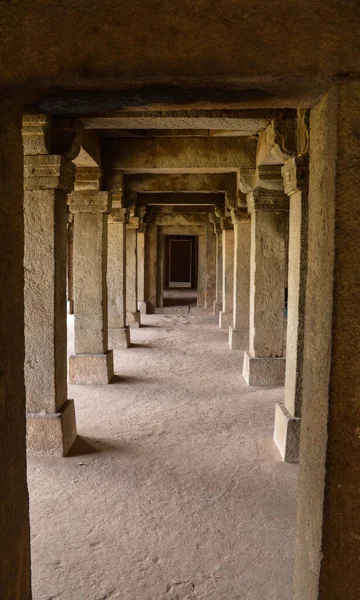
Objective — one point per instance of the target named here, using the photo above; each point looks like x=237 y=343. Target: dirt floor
x=179 y=492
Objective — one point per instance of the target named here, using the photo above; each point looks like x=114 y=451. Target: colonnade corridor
x=176 y=490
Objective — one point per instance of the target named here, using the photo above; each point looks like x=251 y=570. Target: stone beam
x=185 y=182
x=181 y=199
x=146 y=154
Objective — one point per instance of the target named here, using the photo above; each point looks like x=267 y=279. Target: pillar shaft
x=239 y=331
x=219 y=277
x=226 y=314
x=201 y=278
x=51 y=428
x=141 y=268
x=210 y=286
x=14 y=514
x=70 y=266
x=264 y=364
x=133 y=314
x=119 y=336
x=150 y=267
x=327 y=565
x=288 y=413
x=92 y=362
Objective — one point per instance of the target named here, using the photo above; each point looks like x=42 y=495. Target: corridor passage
x=177 y=491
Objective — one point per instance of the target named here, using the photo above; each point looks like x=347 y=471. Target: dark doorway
x=180 y=277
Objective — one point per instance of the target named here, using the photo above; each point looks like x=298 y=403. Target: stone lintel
x=48 y=171
x=267 y=200
x=88 y=178
x=91 y=368
x=295 y=174
x=51 y=434
x=90 y=201
x=118 y=215
x=287 y=434
x=119 y=338
x=263 y=371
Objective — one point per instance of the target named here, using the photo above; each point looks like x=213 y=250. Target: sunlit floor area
x=176 y=490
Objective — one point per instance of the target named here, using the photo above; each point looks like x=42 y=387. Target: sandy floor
x=180 y=493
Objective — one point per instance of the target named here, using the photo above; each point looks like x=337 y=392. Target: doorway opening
x=181 y=265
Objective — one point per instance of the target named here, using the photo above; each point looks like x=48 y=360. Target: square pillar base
x=133 y=319
x=51 y=434
x=142 y=308
x=225 y=320
x=91 y=368
x=119 y=338
x=263 y=371
x=217 y=307
x=287 y=434
x=238 y=338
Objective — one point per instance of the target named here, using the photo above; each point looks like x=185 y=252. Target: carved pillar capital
x=48 y=171
x=295 y=174
x=88 y=178
x=239 y=215
x=89 y=201
x=261 y=199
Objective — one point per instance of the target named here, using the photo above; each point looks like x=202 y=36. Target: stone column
x=288 y=413
x=264 y=364
x=210 y=287
x=15 y=579
x=201 y=278
x=51 y=427
x=70 y=264
x=226 y=314
x=239 y=330
x=141 y=233
x=219 y=276
x=132 y=312
x=92 y=361
x=150 y=268
x=327 y=562
x=119 y=332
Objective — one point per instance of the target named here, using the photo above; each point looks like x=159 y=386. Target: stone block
x=287 y=434
x=142 y=308
x=263 y=371
x=91 y=368
x=119 y=338
x=225 y=320
x=51 y=434
x=133 y=318
x=238 y=338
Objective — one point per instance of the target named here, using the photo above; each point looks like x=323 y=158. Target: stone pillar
x=70 y=264
x=327 y=563
x=51 y=427
x=141 y=233
x=150 y=268
x=264 y=364
x=288 y=413
x=132 y=312
x=119 y=332
x=92 y=361
x=210 y=286
x=239 y=330
x=201 y=278
x=14 y=514
x=226 y=314
x=219 y=276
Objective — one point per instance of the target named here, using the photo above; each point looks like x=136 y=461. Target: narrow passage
x=179 y=493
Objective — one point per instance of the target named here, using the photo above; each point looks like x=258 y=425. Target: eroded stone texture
x=226 y=314
x=328 y=560
x=92 y=361
x=14 y=506
x=288 y=414
x=219 y=277
x=264 y=364
x=239 y=330
x=210 y=285
x=48 y=179
x=119 y=333
x=141 y=268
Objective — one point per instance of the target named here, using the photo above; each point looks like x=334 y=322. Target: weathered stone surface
x=116 y=279
x=14 y=511
x=48 y=171
x=132 y=312
x=327 y=563
x=263 y=371
x=226 y=314
x=239 y=330
x=91 y=368
x=51 y=434
x=119 y=338
x=287 y=433
x=90 y=201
